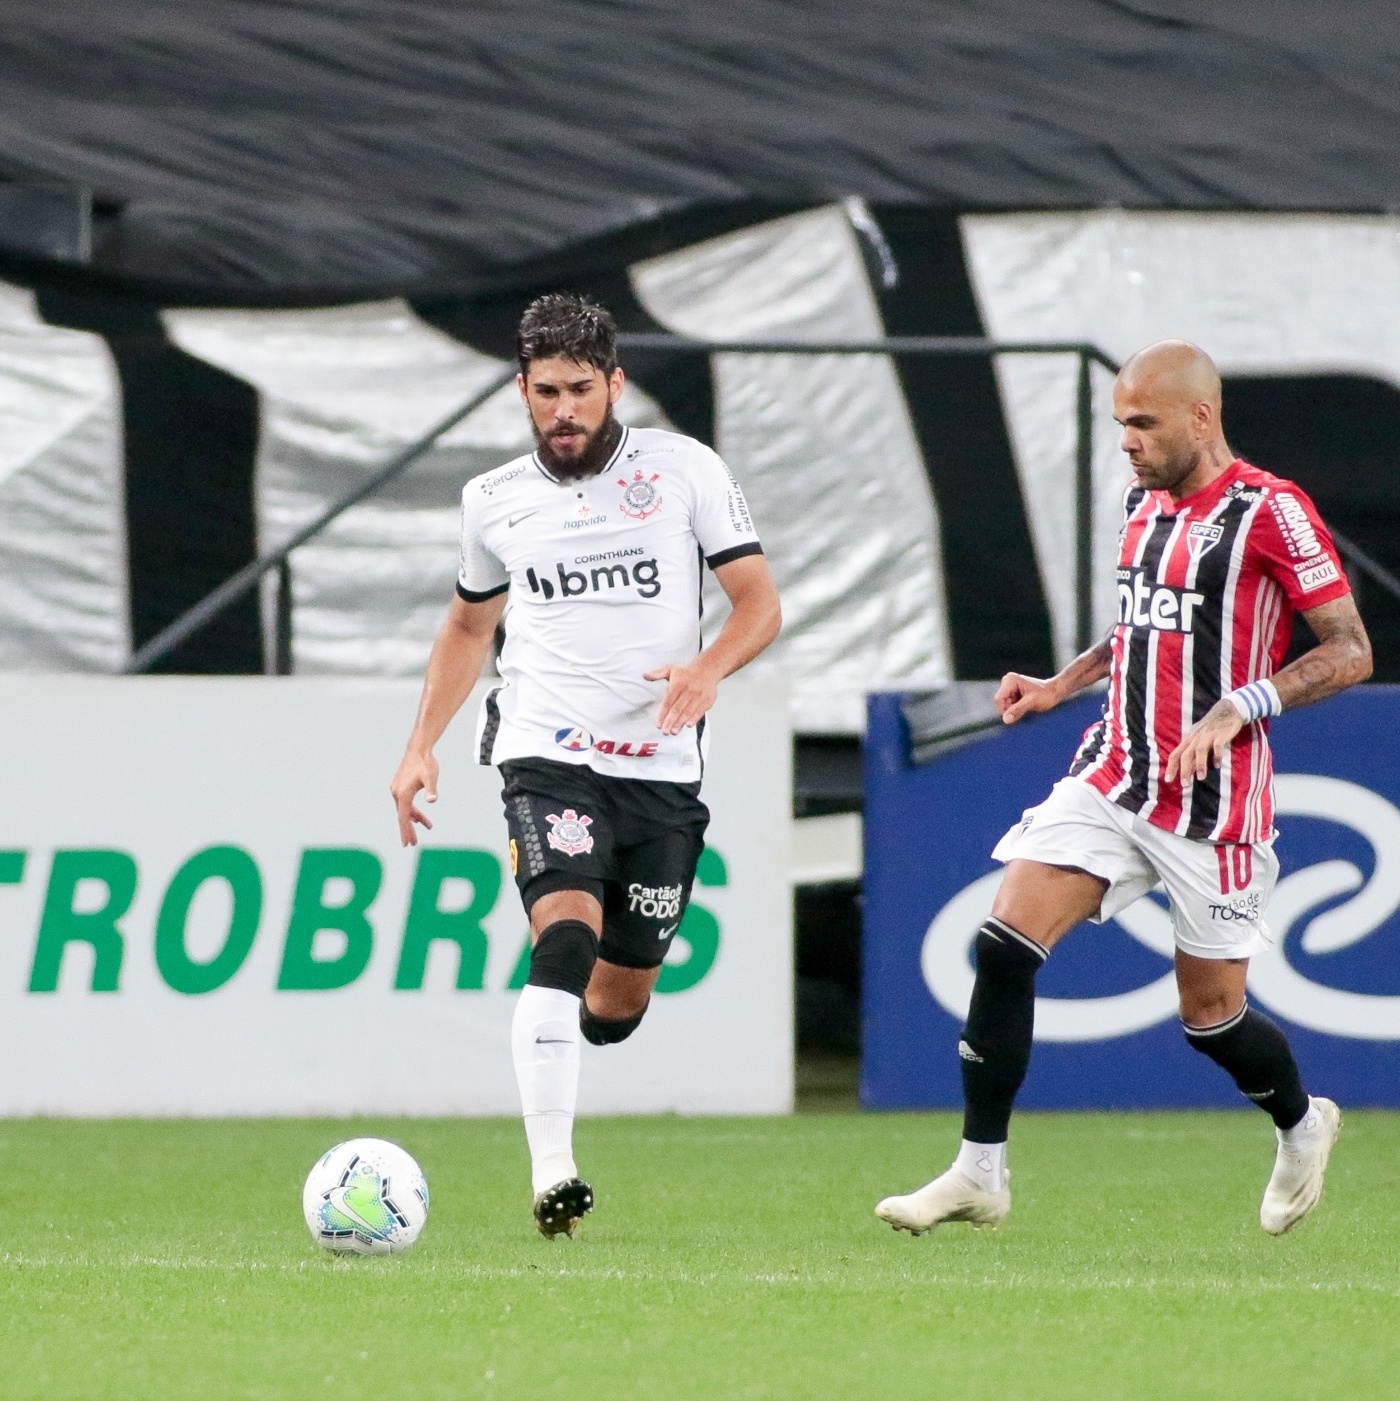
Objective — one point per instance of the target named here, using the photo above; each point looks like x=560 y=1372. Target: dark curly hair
x=561 y=323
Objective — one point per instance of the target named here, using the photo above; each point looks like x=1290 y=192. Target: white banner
x=205 y=910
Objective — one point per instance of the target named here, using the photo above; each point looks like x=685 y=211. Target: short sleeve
x=1297 y=550
x=720 y=515
x=481 y=575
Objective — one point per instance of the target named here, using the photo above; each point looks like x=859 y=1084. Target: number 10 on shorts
x=1237 y=864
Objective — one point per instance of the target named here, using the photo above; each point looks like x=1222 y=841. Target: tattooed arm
x=1342 y=658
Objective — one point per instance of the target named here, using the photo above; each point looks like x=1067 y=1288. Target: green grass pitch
x=727 y=1259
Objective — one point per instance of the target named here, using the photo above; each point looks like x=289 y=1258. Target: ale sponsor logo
x=579 y=741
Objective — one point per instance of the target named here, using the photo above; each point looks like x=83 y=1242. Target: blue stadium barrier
x=1107 y=1035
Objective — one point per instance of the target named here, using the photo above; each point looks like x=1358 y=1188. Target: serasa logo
x=644 y=575
x=1273 y=980
x=1143 y=604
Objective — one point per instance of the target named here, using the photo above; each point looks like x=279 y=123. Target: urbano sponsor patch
x=1298 y=532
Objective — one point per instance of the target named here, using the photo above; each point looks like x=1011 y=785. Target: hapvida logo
x=644 y=576
x=947 y=968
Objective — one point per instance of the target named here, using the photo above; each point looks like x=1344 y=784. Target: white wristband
x=1257 y=701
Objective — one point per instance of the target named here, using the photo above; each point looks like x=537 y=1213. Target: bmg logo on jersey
x=644 y=575
x=1144 y=604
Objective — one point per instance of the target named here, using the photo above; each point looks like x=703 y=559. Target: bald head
x=1174 y=371
x=1167 y=397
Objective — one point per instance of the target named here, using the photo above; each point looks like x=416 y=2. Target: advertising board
x=205 y=909
x=1107 y=1033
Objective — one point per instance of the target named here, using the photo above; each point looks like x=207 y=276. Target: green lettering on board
x=699 y=928
x=240 y=871
x=61 y=925
x=301 y=970
x=426 y=922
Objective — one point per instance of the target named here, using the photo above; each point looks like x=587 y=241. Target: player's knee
x=608 y=1031
x=563 y=957
x=1004 y=954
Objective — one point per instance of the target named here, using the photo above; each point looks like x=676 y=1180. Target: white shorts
x=1218 y=893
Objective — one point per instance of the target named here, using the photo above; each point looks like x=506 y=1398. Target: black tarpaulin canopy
x=250 y=151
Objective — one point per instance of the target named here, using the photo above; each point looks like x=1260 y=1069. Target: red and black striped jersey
x=1207 y=590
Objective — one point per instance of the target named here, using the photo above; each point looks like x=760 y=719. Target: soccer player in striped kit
x=1174 y=783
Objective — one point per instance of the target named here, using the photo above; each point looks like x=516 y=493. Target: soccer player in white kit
x=590 y=552
x=1174 y=783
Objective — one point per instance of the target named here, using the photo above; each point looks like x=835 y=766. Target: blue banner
x=1107 y=1034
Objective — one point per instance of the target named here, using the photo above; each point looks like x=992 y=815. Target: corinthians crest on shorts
x=641 y=497
x=569 y=833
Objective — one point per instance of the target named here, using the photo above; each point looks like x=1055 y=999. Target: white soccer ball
x=366 y=1197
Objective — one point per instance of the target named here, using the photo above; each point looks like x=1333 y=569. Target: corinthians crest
x=569 y=833
x=640 y=497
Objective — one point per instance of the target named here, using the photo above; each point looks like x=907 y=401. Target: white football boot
x=1296 y=1184
x=952 y=1197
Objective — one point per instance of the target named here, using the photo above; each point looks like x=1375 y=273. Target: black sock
x=996 y=1042
x=1257 y=1055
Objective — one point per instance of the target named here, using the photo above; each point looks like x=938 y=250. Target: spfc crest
x=641 y=497
x=1201 y=537
x=569 y=833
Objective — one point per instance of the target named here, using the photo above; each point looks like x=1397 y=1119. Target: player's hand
x=1019 y=696
x=690 y=693
x=1205 y=743
x=417 y=773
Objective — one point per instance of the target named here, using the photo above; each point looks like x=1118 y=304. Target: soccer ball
x=365 y=1197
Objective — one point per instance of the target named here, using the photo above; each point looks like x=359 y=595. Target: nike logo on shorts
x=552 y=1041
x=524 y=516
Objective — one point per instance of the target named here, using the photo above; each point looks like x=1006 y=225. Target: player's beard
x=1173 y=469
x=598 y=446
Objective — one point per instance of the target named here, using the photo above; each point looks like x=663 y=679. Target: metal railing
x=280 y=654
x=247 y=579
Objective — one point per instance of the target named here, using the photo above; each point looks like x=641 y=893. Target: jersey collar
x=1203 y=499
x=606 y=467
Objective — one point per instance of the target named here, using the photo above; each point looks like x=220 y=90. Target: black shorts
x=631 y=843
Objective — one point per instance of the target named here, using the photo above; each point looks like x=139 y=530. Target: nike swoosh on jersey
x=552 y=1041
x=515 y=520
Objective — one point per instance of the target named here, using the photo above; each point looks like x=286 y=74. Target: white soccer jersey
x=604 y=580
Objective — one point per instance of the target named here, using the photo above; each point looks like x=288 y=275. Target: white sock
x=544 y=1043
x=984 y=1163
x=1305 y=1130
